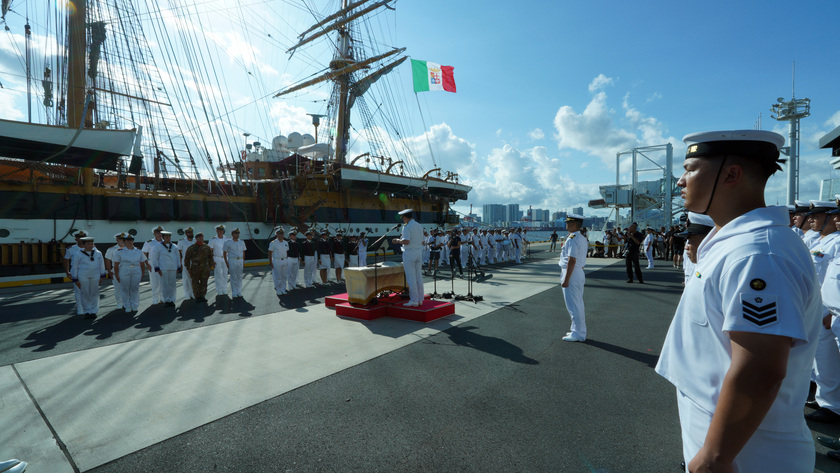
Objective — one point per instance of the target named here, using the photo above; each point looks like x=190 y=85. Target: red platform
x=391 y=306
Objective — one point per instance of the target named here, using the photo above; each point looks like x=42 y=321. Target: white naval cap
x=235 y=230
x=756 y=144
x=220 y=227
x=157 y=229
x=802 y=206
x=822 y=206
x=164 y=233
x=698 y=224
x=120 y=235
x=406 y=211
x=791 y=209
x=574 y=217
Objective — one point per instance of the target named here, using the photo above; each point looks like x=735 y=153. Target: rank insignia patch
x=759 y=310
x=758 y=284
x=697 y=274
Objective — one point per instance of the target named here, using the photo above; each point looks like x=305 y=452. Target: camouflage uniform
x=197 y=260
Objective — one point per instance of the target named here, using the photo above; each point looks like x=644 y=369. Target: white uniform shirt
x=798 y=231
x=515 y=240
x=87 y=265
x=129 y=260
x=575 y=247
x=149 y=248
x=71 y=252
x=218 y=245
x=810 y=237
x=235 y=249
x=413 y=232
x=109 y=253
x=823 y=252
x=279 y=249
x=183 y=245
x=752 y=275
x=831 y=287
x=166 y=257
x=430 y=243
x=647 y=242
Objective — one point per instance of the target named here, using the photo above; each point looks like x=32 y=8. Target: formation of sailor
x=87 y=271
x=109 y=267
x=69 y=254
x=198 y=260
x=183 y=245
x=742 y=342
x=234 y=255
x=166 y=262
x=220 y=271
x=411 y=240
x=149 y=249
x=572 y=262
x=129 y=265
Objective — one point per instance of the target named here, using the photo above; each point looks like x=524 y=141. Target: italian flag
x=429 y=76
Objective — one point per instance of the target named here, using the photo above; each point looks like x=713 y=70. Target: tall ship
x=113 y=149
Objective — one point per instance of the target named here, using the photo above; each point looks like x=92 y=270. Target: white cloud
x=600 y=82
x=536 y=134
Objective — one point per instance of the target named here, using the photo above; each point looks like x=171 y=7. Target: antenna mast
x=792 y=111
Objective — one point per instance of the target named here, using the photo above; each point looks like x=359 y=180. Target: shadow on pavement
x=466 y=337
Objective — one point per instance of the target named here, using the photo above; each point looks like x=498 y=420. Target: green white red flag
x=429 y=76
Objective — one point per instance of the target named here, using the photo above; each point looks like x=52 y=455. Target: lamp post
x=792 y=111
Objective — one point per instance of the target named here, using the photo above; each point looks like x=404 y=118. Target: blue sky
x=549 y=91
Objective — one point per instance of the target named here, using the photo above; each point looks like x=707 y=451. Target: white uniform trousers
x=827 y=370
x=77 y=295
x=292 y=270
x=765 y=452
x=278 y=272
x=517 y=254
x=117 y=293
x=573 y=295
x=130 y=286
x=186 y=282
x=220 y=275
x=90 y=295
x=465 y=255
x=649 y=256
x=426 y=254
x=413 y=266
x=499 y=253
x=168 y=279
x=154 y=281
x=237 y=265
x=308 y=270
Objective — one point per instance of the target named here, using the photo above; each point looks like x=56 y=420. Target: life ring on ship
x=243 y=154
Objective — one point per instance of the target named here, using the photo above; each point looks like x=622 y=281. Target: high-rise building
x=494 y=214
x=513 y=214
x=577 y=210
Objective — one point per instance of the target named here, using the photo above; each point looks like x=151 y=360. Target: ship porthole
x=256 y=231
x=4 y=233
x=133 y=232
x=181 y=231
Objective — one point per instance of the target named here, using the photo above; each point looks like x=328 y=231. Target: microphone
x=395 y=227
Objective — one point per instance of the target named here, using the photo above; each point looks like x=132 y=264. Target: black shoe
x=823 y=415
x=813 y=405
x=90 y=316
x=170 y=304
x=682 y=465
x=629 y=280
x=641 y=282
x=834 y=455
x=830 y=442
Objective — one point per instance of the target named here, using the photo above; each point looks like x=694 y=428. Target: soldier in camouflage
x=198 y=260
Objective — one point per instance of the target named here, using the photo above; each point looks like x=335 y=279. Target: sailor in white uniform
x=698 y=227
x=183 y=245
x=808 y=235
x=572 y=261
x=647 y=245
x=516 y=246
x=69 y=253
x=87 y=271
x=293 y=260
x=148 y=249
x=278 y=251
x=823 y=217
x=128 y=269
x=411 y=240
x=109 y=267
x=166 y=261
x=742 y=341
x=234 y=254
x=220 y=273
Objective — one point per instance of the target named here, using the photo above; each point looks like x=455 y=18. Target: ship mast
x=343 y=60
x=76 y=85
